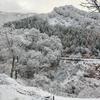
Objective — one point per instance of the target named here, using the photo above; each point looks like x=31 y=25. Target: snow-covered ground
x=12 y=90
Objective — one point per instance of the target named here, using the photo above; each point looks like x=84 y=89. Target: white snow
x=11 y=90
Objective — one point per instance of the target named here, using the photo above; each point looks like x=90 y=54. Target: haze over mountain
x=5 y=17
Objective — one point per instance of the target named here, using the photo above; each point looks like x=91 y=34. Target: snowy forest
x=57 y=52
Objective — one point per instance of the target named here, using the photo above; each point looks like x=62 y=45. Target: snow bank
x=11 y=90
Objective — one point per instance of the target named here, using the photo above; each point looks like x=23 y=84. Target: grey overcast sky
x=35 y=6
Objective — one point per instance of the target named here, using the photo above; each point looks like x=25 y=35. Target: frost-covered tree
x=42 y=54
x=11 y=48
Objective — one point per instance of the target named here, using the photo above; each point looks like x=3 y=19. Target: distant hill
x=5 y=17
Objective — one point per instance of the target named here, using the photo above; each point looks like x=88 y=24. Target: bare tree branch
x=91 y=4
x=9 y=44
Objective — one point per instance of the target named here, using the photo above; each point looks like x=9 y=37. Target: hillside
x=38 y=64
x=77 y=29
x=70 y=16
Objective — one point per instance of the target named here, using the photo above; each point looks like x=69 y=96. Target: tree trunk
x=16 y=74
x=12 y=69
x=53 y=98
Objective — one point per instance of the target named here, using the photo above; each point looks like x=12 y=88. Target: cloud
x=10 y=6
x=38 y=6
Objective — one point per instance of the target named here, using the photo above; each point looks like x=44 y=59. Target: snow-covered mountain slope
x=5 y=17
x=70 y=16
x=12 y=90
